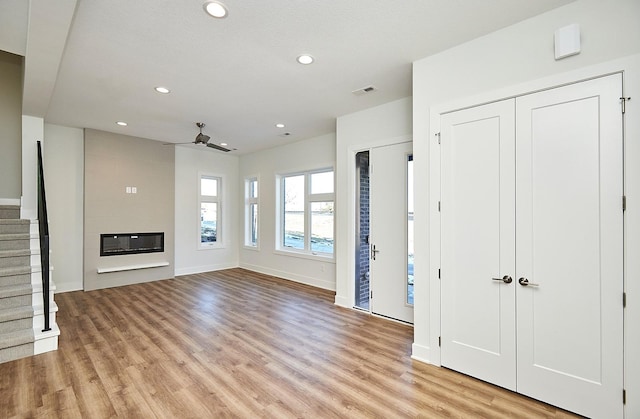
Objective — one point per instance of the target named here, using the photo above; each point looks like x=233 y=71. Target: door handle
x=506 y=279
x=373 y=251
x=525 y=282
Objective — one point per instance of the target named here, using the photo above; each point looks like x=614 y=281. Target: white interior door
x=478 y=242
x=388 y=231
x=570 y=243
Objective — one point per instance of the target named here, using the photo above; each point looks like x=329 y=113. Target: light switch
x=127 y=189
x=134 y=189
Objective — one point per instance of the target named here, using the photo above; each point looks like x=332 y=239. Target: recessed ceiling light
x=163 y=90
x=305 y=59
x=122 y=123
x=215 y=9
x=279 y=125
x=224 y=144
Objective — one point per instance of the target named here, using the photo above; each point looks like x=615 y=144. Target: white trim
x=132 y=267
x=319 y=256
x=312 y=281
x=9 y=201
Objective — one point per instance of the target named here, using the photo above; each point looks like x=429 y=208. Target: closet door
x=478 y=242
x=570 y=247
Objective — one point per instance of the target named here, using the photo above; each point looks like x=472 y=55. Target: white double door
x=388 y=231
x=532 y=245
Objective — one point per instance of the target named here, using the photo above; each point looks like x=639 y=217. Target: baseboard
x=10 y=201
x=60 y=288
x=204 y=268
x=342 y=301
x=314 y=282
x=421 y=353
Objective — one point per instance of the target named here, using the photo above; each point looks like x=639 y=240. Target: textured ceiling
x=239 y=75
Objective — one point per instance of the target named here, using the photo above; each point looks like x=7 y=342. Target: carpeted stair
x=16 y=291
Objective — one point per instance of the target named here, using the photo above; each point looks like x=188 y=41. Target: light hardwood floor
x=235 y=343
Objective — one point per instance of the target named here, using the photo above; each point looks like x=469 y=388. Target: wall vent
x=365 y=90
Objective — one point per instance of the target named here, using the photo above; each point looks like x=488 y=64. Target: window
x=210 y=203
x=251 y=212
x=307 y=201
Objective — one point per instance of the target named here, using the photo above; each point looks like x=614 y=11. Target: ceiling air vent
x=365 y=90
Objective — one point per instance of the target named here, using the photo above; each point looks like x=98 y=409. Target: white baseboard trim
x=10 y=201
x=421 y=353
x=342 y=301
x=205 y=268
x=314 y=282
x=60 y=288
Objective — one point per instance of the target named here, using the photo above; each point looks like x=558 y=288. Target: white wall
x=512 y=61
x=314 y=153
x=189 y=162
x=386 y=124
x=63 y=155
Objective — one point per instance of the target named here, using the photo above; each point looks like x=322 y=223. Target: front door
x=388 y=232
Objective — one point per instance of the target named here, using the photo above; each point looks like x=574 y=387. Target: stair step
x=15 y=296
x=9 y=211
x=14 y=319
x=14 y=258
x=15 y=345
x=14 y=226
x=14 y=241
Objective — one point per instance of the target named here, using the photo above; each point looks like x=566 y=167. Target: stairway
x=21 y=313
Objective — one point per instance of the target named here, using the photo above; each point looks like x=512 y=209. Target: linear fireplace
x=131 y=243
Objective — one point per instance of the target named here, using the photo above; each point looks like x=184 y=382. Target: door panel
x=569 y=241
x=478 y=241
x=388 y=231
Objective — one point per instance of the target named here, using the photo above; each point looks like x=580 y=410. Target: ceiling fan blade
x=192 y=142
x=218 y=147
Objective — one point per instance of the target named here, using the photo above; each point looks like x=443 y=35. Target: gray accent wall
x=10 y=125
x=113 y=162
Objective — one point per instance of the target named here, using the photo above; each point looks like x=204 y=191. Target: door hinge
x=439 y=273
x=439 y=340
x=439 y=137
x=624 y=202
x=438 y=206
x=623 y=101
x=624 y=396
x=624 y=300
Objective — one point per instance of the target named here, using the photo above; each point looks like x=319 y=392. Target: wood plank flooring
x=239 y=344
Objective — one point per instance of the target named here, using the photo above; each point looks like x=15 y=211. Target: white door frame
x=351 y=205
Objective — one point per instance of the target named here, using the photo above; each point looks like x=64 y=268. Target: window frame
x=309 y=199
x=248 y=202
x=218 y=199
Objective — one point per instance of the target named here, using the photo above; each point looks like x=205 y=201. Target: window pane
x=322 y=227
x=253 y=188
x=208 y=186
x=253 y=219
x=208 y=222
x=322 y=182
x=294 y=212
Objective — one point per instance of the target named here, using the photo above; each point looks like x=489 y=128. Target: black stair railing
x=43 y=223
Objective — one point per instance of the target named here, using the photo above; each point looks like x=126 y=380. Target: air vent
x=365 y=90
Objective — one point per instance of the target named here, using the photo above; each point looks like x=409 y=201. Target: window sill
x=214 y=246
x=320 y=257
x=252 y=248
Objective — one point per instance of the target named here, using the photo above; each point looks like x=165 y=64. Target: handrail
x=43 y=223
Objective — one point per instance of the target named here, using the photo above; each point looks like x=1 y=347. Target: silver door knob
x=506 y=279
x=525 y=282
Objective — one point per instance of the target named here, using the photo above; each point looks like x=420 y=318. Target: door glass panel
x=410 y=229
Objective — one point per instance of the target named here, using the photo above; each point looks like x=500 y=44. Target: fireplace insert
x=131 y=243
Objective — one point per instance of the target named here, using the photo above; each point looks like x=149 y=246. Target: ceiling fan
x=203 y=139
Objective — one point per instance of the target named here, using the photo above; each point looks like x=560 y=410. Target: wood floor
x=235 y=343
